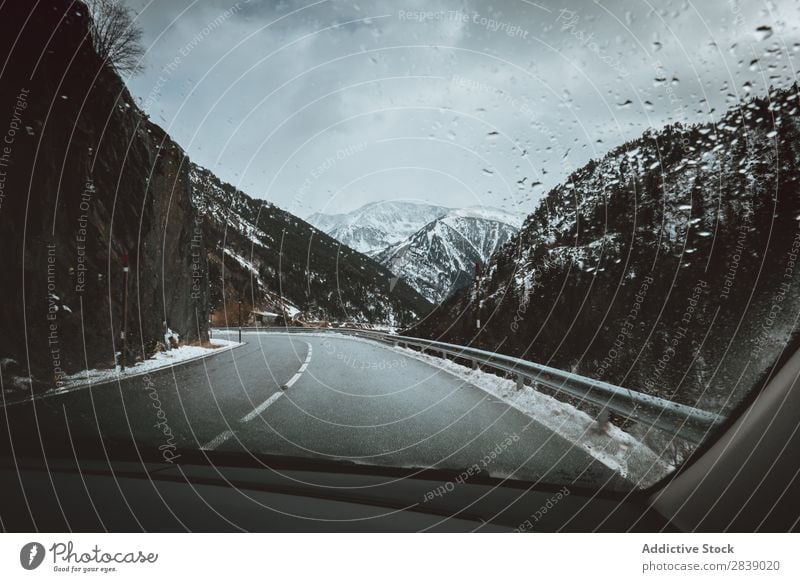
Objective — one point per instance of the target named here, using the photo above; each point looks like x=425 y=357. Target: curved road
x=321 y=395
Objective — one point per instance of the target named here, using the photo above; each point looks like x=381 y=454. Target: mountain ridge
x=374 y=226
x=276 y=261
x=640 y=254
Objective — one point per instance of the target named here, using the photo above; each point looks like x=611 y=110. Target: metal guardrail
x=689 y=423
x=278 y=329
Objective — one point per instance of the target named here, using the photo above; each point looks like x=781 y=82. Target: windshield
x=554 y=244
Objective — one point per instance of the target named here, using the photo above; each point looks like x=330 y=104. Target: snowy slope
x=440 y=257
x=375 y=226
x=490 y=213
x=667 y=265
x=275 y=261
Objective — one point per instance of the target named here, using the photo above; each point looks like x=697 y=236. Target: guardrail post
x=474 y=364
x=520 y=381
x=444 y=355
x=603 y=419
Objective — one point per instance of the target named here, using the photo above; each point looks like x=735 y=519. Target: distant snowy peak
x=378 y=225
x=277 y=262
x=489 y=213
x=364 y=239
x=432 y=248
x=375 y=226
x=440 y=258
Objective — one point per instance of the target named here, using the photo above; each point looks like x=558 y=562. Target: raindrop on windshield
x=763 y=32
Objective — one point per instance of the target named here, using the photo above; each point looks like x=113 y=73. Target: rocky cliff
x=86 y=180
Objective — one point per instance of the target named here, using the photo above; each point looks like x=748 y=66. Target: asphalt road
x=325 y=396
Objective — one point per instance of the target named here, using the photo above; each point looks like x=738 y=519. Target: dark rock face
x=86 y=180
x=668 y=266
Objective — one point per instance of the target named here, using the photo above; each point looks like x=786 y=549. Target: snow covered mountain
x=440 y=257
x=275 y=261
x=375 y=226
x=669 y=265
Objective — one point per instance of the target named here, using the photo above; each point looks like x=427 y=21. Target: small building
x=263 y=317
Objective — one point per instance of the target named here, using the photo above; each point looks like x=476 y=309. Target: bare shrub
x=115 y=35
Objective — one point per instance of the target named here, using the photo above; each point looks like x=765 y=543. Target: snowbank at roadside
x=81 y=380
x=160 y=360
x=611 y=446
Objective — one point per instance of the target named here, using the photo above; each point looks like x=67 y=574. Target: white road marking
x=262 y=407
x=299 y=373
x=225 y=435
x=217 y=441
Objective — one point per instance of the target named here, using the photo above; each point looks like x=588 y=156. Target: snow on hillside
x=440 y=258
x=432 y=248
x=375 y=226
x=657 y=265
x=490 y=213
x=275 y=261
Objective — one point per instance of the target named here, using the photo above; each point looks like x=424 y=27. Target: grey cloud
x=428 y=94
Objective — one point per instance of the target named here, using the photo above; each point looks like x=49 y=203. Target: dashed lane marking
x=261 y=407
x=225 y=435
x=302 y=369
x=217 y=441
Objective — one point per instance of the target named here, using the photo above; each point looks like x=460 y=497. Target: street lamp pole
x=478 y=271
x=240 y=321
x=124 y=326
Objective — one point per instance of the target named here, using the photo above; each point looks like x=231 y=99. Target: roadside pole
x=124 y=326
x=478 y=271
x=240 y=321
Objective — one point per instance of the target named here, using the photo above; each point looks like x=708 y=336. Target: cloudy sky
x=325 y=105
